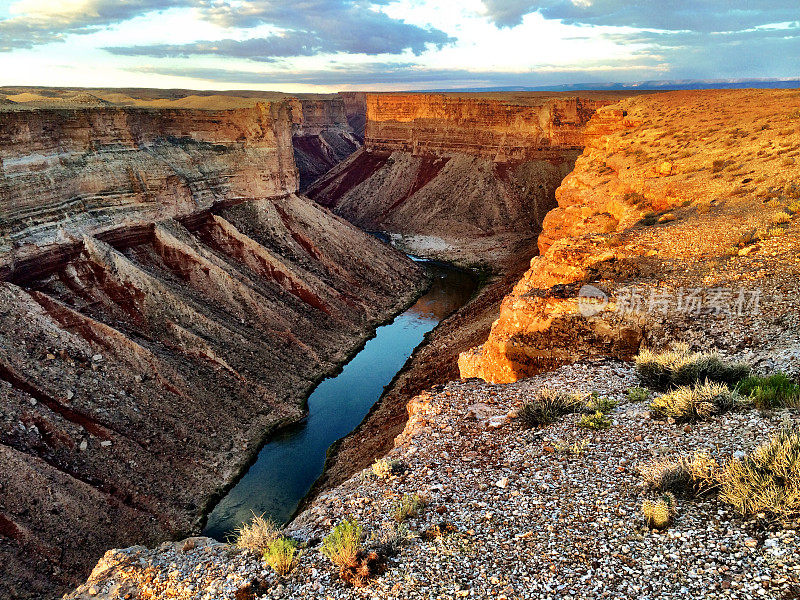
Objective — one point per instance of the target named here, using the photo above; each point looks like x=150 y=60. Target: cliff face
x=166 y=301
x=467 y=177
x=72 y=172
x=494 y=129
x=322 y=135
x=680 y=212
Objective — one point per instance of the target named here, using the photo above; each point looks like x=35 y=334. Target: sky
x=326 y=45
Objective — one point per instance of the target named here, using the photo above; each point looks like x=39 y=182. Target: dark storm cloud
x=695 y=15
x=26 y=31
x=311 y=27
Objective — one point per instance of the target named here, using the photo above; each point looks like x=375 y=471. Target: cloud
x=259 y=49
x=694 y=15
x=756 y=52
x=35 y=22
x=310 y=27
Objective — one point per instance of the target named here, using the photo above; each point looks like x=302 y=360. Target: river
x=292 y=460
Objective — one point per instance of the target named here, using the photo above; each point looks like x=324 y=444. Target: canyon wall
x=322 y=134
x=468 y=178
x=494 y=128
x=166 y=301
x=71 y=172
x=677 y=195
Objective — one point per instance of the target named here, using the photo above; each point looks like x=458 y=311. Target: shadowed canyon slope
x=682 y=212
x=166 y=301
x=324 y=136
x=464 y=177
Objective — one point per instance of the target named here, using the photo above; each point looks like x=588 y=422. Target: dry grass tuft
x=767 y=482
x=547 y=406
x=257 y=535
x=659 y=514
x=680 y=367
x=688 y=476
x=695 y=403
x=383 y=468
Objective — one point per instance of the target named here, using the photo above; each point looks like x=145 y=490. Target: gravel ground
x=529 y=519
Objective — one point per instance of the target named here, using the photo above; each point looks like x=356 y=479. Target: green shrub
x=256 y=535
x=595 y=402
x=595 y=421
x=547 y=406
x=343 y=544
x=767 y=481
x=282 y=555
x=408 y=506
x=638 y=394
x=659 y=514
x=691 y=477
x=663 y=370
x=391 y=538
x=695 y=403
x=774 y=391
x=343 y=547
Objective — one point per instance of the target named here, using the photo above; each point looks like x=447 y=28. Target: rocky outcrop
x=462 y=177
x=322 y=135
x=675 y=237
x=166 y=302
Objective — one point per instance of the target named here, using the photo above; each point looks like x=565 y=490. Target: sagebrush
x=282 y=555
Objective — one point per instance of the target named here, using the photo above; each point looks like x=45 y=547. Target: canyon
x=467 y=178
x=168 y=300
x=678 y=223
x=464 y=178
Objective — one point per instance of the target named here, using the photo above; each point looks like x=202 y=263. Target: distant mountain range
x=675 y=84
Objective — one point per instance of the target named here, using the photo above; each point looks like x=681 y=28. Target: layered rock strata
x=166 y=302
x=460 y=177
